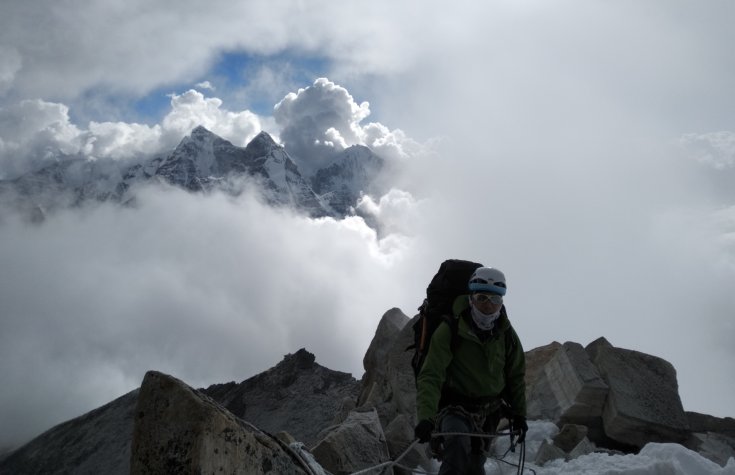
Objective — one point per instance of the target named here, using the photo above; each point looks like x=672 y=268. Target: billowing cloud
x=92 y=300
x=192 y=108
x=71 y=49
x=322 y=119
x=35 y=131
x=318 y=120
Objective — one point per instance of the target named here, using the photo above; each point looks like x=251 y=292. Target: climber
x=463 y=386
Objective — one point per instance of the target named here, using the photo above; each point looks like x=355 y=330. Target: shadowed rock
x=180 y=430
x=97 y=442
x=297 y=395
x=643 y=403
x=357 y=443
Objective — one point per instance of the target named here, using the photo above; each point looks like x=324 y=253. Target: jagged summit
x=263 y=139
x=201 y=131
x=266 y=398
x=201 y=162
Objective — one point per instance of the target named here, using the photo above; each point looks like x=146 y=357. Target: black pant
x=464 y=455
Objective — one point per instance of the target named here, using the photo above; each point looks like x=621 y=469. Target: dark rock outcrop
x=606 y=399
x=355 y=444
x=297 y=395
x=180 y=430
x=97 y=442
x=643 y=403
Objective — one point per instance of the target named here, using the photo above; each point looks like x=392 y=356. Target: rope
x=394 y=463
x=391 y=463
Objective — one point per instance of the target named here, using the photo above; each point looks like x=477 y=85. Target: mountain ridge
x=201 y=162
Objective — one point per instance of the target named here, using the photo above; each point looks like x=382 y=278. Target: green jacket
x=474 y=370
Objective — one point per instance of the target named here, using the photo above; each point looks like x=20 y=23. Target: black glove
x=520 y=425
x=423 y=430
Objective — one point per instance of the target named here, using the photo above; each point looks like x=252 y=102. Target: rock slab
x=355 y=444
x=643 y=403
x=180 y=430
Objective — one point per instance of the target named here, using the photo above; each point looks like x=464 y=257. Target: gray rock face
x=716 y=447
x=352 y=171
x=97 y=442
x=297 y=395
x=706 y=423
x=392 y=392
x=643 y=403
x=375 y=358
x=570 y=390
x=570 y=436
x=356 y=444
x=547 y=452
x=180 y=430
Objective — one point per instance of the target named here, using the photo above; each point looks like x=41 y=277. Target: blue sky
x=234 y=77
x=585 y=148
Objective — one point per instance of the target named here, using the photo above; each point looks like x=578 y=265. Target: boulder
x=393 y=392
x=536 y=359
x=706 y=423
x=643 y=403
x=569 y=390
x=398 y=432
x=388 y=329
x=547 y=452
x=356 y=444
x=716 y=447
x=180 y=430
x=569 y=436
x=584 y=447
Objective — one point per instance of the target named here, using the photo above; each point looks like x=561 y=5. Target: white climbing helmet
x=488 y=279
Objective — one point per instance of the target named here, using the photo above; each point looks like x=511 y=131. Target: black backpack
x=448 y=283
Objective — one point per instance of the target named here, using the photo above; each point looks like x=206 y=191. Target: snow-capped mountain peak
x=203 y=161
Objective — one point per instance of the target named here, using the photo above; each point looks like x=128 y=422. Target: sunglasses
x=484 y=298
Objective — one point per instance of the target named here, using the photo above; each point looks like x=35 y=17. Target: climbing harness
x=395 y=463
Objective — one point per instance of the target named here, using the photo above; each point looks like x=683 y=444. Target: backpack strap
x=453 y=323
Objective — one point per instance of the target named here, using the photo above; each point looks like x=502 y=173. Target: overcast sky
x=585 y=148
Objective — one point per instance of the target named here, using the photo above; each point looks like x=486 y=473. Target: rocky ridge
x=601 y=398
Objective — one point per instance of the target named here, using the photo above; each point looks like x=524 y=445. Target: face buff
x=483 y=321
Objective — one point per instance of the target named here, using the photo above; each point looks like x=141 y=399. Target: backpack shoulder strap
x=453 y=323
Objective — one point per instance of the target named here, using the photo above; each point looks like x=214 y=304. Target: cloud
x=10 y=64
x=66 y=51
x=716 y=149
x=34 y=132
x=206 y=85
x=192 y=108
x=319 y=120
x=208 y=288
x=322 y=119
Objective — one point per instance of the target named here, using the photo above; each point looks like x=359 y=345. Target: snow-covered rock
x=351 y=173
x=203 y=162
